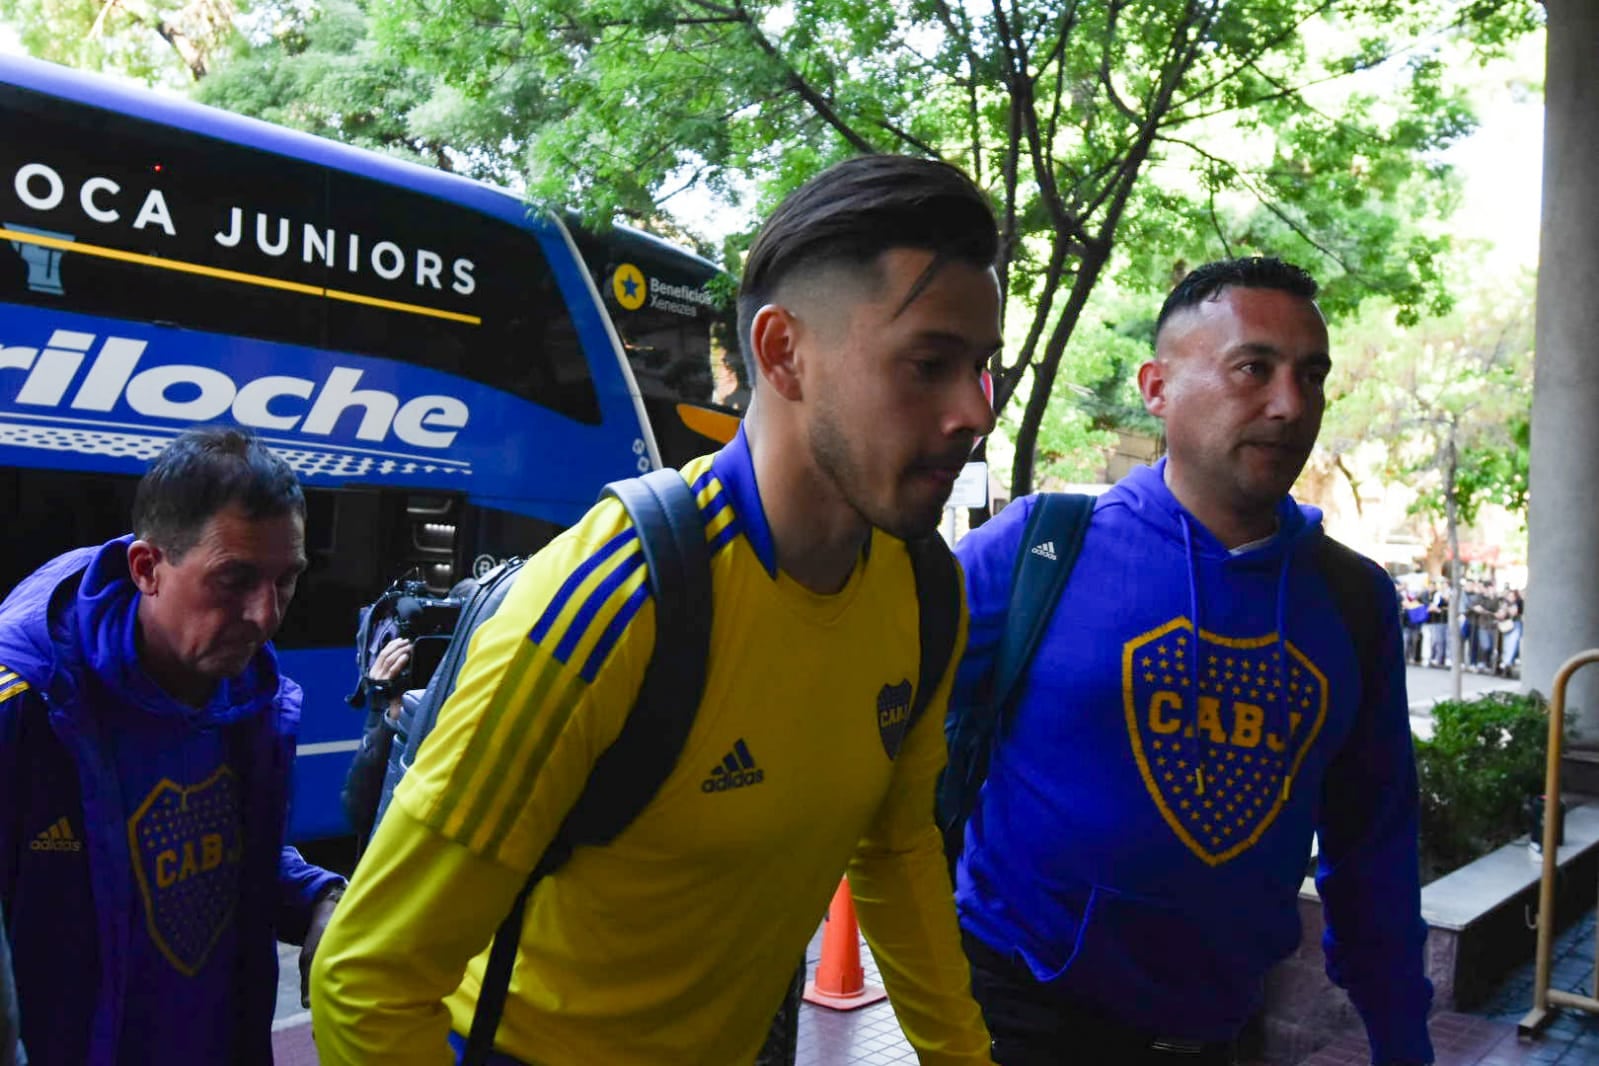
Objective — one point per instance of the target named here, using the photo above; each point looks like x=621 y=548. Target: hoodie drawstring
x=1285 y=712
x=1283 y=705
x=1191 y=707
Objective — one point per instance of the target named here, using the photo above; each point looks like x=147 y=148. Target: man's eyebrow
x=942 y=338
x=1263 y=348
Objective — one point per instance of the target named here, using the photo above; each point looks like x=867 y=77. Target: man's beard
x=831 y=453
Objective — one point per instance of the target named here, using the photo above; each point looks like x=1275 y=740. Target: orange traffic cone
x=840 y=982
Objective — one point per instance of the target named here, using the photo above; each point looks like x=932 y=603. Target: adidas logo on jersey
x=58 y=837
x=1046 y=549
x=736 y=770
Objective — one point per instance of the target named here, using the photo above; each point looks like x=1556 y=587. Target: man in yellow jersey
x=868 y=310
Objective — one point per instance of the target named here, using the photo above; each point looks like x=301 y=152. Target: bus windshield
x=674 y=315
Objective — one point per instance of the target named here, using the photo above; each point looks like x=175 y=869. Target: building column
x=1563 y=519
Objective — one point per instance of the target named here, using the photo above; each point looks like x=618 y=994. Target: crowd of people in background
x=1490 y=625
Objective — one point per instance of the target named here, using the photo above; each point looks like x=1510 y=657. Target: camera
x=418 y=614
x=408 y=609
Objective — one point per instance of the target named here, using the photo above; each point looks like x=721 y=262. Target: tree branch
x=1010 y=376
x=1057 y=56
x=806 y=91
x=1112 y=13
x=1024 y=106
x=1269 y=204
x=1215 y=224
x=1269 y=44
x=910 y=139
x=962 y=33
x=1354 y=485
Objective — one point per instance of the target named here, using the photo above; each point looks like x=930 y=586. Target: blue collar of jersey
x=734 y=467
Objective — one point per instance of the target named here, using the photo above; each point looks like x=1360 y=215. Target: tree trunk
x=1045 y=369
x=1457 y=667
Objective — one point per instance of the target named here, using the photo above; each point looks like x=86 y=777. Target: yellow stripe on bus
x=262 y=280
x=717 y=425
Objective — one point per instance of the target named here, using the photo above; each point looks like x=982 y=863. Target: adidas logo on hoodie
x=59 y=837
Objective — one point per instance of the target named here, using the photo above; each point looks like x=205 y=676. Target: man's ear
x=774 y=337
x=142 y=559
x=1152 y=386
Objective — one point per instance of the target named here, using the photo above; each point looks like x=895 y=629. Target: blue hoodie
x=1143 y=850
x=142 y=865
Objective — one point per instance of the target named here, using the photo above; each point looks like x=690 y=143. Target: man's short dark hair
x=853 y=212
x=204 y=471
x=1252 y=272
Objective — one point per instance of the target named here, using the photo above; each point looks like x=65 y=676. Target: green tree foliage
x=1496 y=471
x=309 y=64
x=172 y=41
x=1451 y=396
x=326 y=74
x=1096 y=398
x=1307 y=128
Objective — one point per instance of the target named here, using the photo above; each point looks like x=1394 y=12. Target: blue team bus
x=452 y=376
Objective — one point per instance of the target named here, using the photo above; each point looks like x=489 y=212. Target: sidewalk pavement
x=1487 y=1037
x=871 y=1036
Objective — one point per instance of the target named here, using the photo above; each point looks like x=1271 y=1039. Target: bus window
x=82 y=509
x=677 y=329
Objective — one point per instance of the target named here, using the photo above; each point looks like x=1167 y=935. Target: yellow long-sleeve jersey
x=674 y=943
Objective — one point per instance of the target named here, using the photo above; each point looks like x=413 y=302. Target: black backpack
x=629 y=773
x=1050 y=544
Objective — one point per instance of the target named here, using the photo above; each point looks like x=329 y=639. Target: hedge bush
x=1485 y=758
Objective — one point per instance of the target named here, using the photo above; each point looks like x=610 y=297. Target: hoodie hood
x=81 y=610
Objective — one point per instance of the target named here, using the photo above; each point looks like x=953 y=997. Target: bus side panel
x=330 y=732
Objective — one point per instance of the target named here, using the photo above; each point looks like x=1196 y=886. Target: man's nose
x=1287 y=401
x=263 y=608
x=973 y=412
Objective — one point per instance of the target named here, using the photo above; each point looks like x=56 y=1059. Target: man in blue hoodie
x=1197 y=709
x=146 y=739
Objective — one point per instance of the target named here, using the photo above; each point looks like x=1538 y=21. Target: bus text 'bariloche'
x=273 y=402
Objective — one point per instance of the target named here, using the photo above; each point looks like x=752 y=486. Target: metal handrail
x=1546 y=1001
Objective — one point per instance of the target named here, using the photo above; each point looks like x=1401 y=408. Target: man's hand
x=321 y=915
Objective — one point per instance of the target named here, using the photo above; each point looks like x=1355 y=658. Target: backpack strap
x=628 y=774
x=1050 y=546
x=938 y=603
x=1353 y=592
x=1051 y=542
